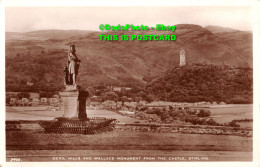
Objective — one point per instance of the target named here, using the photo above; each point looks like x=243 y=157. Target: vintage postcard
x=129 y=84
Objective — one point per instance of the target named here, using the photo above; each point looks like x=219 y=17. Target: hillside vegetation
x=35 y=62
x=193 y=83
x=40 y=56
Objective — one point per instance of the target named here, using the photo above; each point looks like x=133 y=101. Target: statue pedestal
x=74 y=104
x=71 y=87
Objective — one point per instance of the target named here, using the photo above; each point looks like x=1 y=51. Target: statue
x=74 y=119
x=71 y=71
x=74 y=98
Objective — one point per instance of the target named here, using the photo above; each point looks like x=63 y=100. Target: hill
x=40 y=56
x=218 y=29
x=193 y=83
x=46 y=34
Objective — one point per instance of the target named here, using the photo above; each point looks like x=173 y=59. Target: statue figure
x=71 y=71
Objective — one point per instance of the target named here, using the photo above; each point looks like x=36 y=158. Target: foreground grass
x=28 y=140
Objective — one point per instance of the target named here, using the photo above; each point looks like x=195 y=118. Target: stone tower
x=182 y=58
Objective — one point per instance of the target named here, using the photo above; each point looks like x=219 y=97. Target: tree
x=45 y=94
x=23 y=95
x=110 y=96
x=7 y=100
x=149 y=98
x=233 y=124
x=203 y=113
x=144 y=108
x=212 y=122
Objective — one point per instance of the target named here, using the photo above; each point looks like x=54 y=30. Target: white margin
x=256 y=66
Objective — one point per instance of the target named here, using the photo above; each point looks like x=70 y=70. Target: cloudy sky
x=23 y=19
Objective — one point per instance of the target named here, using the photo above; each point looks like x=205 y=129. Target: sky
x=24 y=19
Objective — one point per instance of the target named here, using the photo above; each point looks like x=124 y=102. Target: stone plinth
x=70 y=103
x=74 y=104
x=82 y=114
x=71 y=87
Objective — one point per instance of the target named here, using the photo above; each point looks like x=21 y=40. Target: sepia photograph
x=129 y=84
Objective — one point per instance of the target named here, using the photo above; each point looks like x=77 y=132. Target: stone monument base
x=74 y=120
x=74 y=104
x=71 y=87
x=77 y=126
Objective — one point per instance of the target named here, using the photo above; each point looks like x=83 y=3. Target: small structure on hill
x=182 y=58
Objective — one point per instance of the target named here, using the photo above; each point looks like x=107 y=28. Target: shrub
x=212 y=122
x=203 y=113
x=144 y=108
x=233 y=124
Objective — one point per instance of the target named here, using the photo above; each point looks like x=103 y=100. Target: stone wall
x=191 y=129
x=155 y=128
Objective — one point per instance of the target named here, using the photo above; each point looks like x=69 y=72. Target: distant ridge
x=47 y=34
x=218 y=29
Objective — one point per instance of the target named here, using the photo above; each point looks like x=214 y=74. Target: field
x=45 y=113
x=28 y=144
x=227 y=114
x=31 y=145
x=219 y=114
